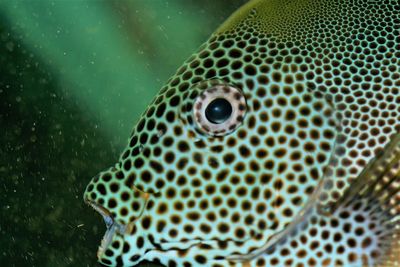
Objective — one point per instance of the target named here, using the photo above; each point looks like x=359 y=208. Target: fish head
x=223 y=158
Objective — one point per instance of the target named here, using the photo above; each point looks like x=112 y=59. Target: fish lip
x=113 y=227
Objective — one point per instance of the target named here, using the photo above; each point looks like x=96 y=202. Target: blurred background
x=74 y=77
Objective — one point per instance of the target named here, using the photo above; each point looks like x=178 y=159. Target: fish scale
x=313 y=89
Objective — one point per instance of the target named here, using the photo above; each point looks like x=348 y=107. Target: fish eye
x=219 y=109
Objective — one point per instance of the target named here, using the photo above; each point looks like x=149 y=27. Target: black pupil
x=218 y=111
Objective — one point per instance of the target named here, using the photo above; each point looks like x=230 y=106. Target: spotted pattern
x=352 y=236
x=317 y=97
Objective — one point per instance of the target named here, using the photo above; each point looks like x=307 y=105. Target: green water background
x=74 y=77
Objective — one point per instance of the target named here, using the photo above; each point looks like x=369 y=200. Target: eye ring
x=221 y=99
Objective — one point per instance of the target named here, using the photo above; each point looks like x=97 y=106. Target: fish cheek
x=283 y=152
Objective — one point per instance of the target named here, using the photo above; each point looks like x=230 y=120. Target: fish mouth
x=113 y=227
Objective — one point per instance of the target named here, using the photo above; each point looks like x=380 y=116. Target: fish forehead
x=240 y=185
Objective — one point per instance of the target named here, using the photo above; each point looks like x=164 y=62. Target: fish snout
x=113 y=195
x=121 y=205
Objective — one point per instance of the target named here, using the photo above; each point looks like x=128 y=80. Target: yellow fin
x=276 y=17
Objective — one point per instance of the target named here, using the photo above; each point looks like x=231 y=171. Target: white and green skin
x=249 y=154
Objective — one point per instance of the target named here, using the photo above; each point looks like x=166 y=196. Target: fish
x=277 y=143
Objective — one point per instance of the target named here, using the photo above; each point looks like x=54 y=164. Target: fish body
x=249 y=154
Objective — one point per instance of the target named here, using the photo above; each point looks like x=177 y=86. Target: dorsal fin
x=277 y=17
